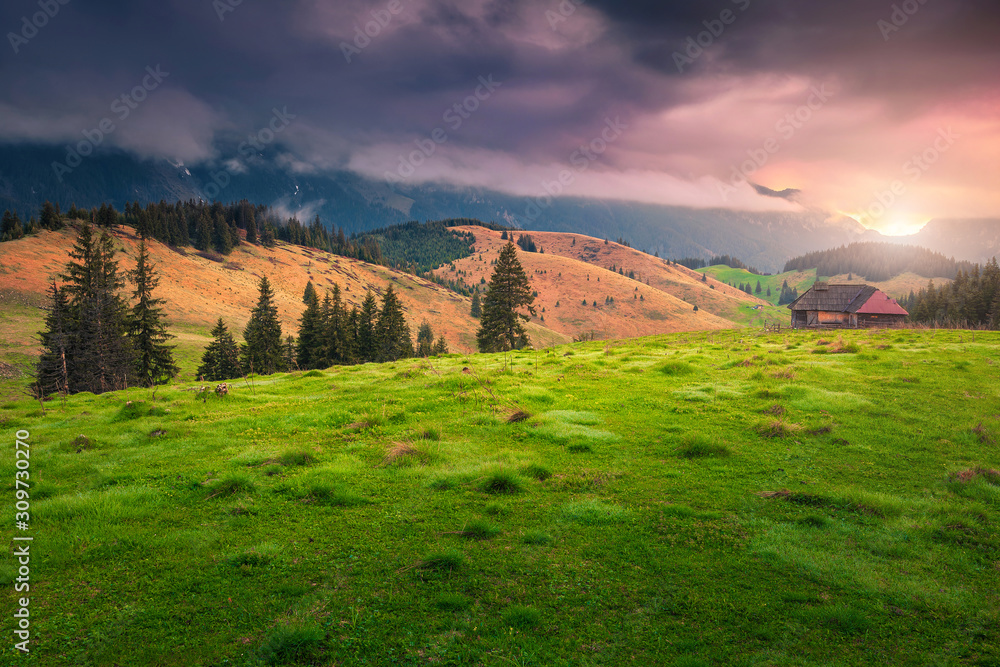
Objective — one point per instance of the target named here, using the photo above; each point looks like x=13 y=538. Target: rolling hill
x=201 y=287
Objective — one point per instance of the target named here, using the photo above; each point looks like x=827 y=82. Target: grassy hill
x=690 y=499
x=899 y=286
x=800 y=280
x=660 y=299
x=200 y=288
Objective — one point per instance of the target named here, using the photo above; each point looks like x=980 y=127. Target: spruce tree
x=392 y=333
x=337 y=337
x=441 y=346
x=11 y=229
x=501 y=327
x=147 y=331
x=367 y=349
x=52 y=371
x=103 y=359
x=477 y=306
x=221 y=358
x=263 y=350
x=310 y=293
x=49 y=217
x=425 y=340
x=310 y=353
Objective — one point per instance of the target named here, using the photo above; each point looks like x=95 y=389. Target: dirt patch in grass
x=969 y=474
x=518 y=417
x=816 y=500
x=822 y=430
x=783 y=375
x=776 y=410
x=982 y=434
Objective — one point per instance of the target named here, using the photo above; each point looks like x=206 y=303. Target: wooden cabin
x=845 y=306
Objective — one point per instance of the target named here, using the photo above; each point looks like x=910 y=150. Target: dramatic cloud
x=884 y=112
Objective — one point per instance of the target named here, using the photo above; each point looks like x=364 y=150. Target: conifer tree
x=263 y=351
x=392 y=333
x=310 y=352
x=11 y=229
x=221 y=359
x=147 y=331
x=103 y=359
x=52 y=371
x=501 y=327
x=366 y=343
x=441 y=346
x=310 y=293
x=337 y=337
x=49 y=217
x=477 y=306
x=425 y=340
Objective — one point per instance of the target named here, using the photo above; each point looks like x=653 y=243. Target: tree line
x=878 y=261
x=971 y=299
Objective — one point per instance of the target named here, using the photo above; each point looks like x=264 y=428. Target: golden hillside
x=567 y=274
x=199 y=290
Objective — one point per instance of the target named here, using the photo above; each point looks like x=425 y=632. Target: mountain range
x=764 y=240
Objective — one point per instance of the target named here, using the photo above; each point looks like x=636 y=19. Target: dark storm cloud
x=565 y=67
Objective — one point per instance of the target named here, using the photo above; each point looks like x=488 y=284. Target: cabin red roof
x=881 y=303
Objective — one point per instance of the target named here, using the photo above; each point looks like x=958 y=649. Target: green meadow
x=697 y=499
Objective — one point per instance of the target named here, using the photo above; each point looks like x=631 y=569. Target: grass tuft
x=535 y=471
x=452 y=602
x=676 y=368
x=776 y=428
x=844 y=619
x=446 y=561
x=521 y=617
x=501 y=482
x=297 y=457
x=537 y=538
x=231 y=485
x=594 y=513
x=291 y=644
x=699 y=447
x=479 y=529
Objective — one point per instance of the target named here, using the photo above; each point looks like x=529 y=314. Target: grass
x=369 y=515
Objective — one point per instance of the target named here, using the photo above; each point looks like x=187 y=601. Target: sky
x=885 y=112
